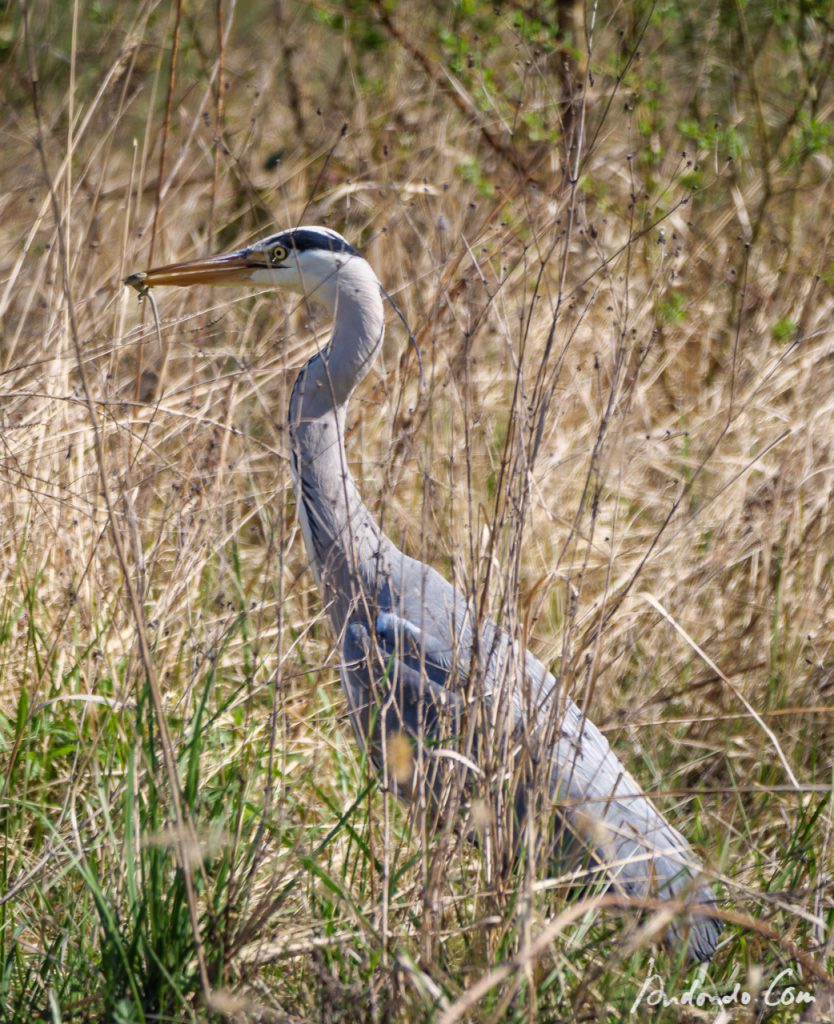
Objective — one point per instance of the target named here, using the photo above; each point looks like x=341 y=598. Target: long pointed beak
x=231 y=268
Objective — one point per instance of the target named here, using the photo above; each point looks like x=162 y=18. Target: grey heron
x=414 y=661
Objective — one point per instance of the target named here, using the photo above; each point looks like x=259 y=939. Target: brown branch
x=219 y=113
x=432 y=69
x=166 y=127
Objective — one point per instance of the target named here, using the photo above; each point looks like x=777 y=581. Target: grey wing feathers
x=395 y=689
x=641 y=853
x=403 y=678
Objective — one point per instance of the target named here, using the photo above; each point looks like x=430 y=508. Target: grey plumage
x=406 y=635
x=412 y=661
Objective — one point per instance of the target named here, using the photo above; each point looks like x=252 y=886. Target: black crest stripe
x=307 y=239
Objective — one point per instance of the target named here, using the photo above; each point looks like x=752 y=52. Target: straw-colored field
x=623 y=445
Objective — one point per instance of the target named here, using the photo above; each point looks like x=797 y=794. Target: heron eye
x=278 y=254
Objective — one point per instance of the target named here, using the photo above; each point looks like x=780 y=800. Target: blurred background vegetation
x=610 y=229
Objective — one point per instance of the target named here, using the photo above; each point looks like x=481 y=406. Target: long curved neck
x=343 y=541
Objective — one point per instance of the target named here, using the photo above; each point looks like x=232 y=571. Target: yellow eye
x=278 y=254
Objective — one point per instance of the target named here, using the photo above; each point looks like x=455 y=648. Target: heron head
x=304 y=259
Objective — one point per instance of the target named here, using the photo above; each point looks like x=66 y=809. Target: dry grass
x=626 y=428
